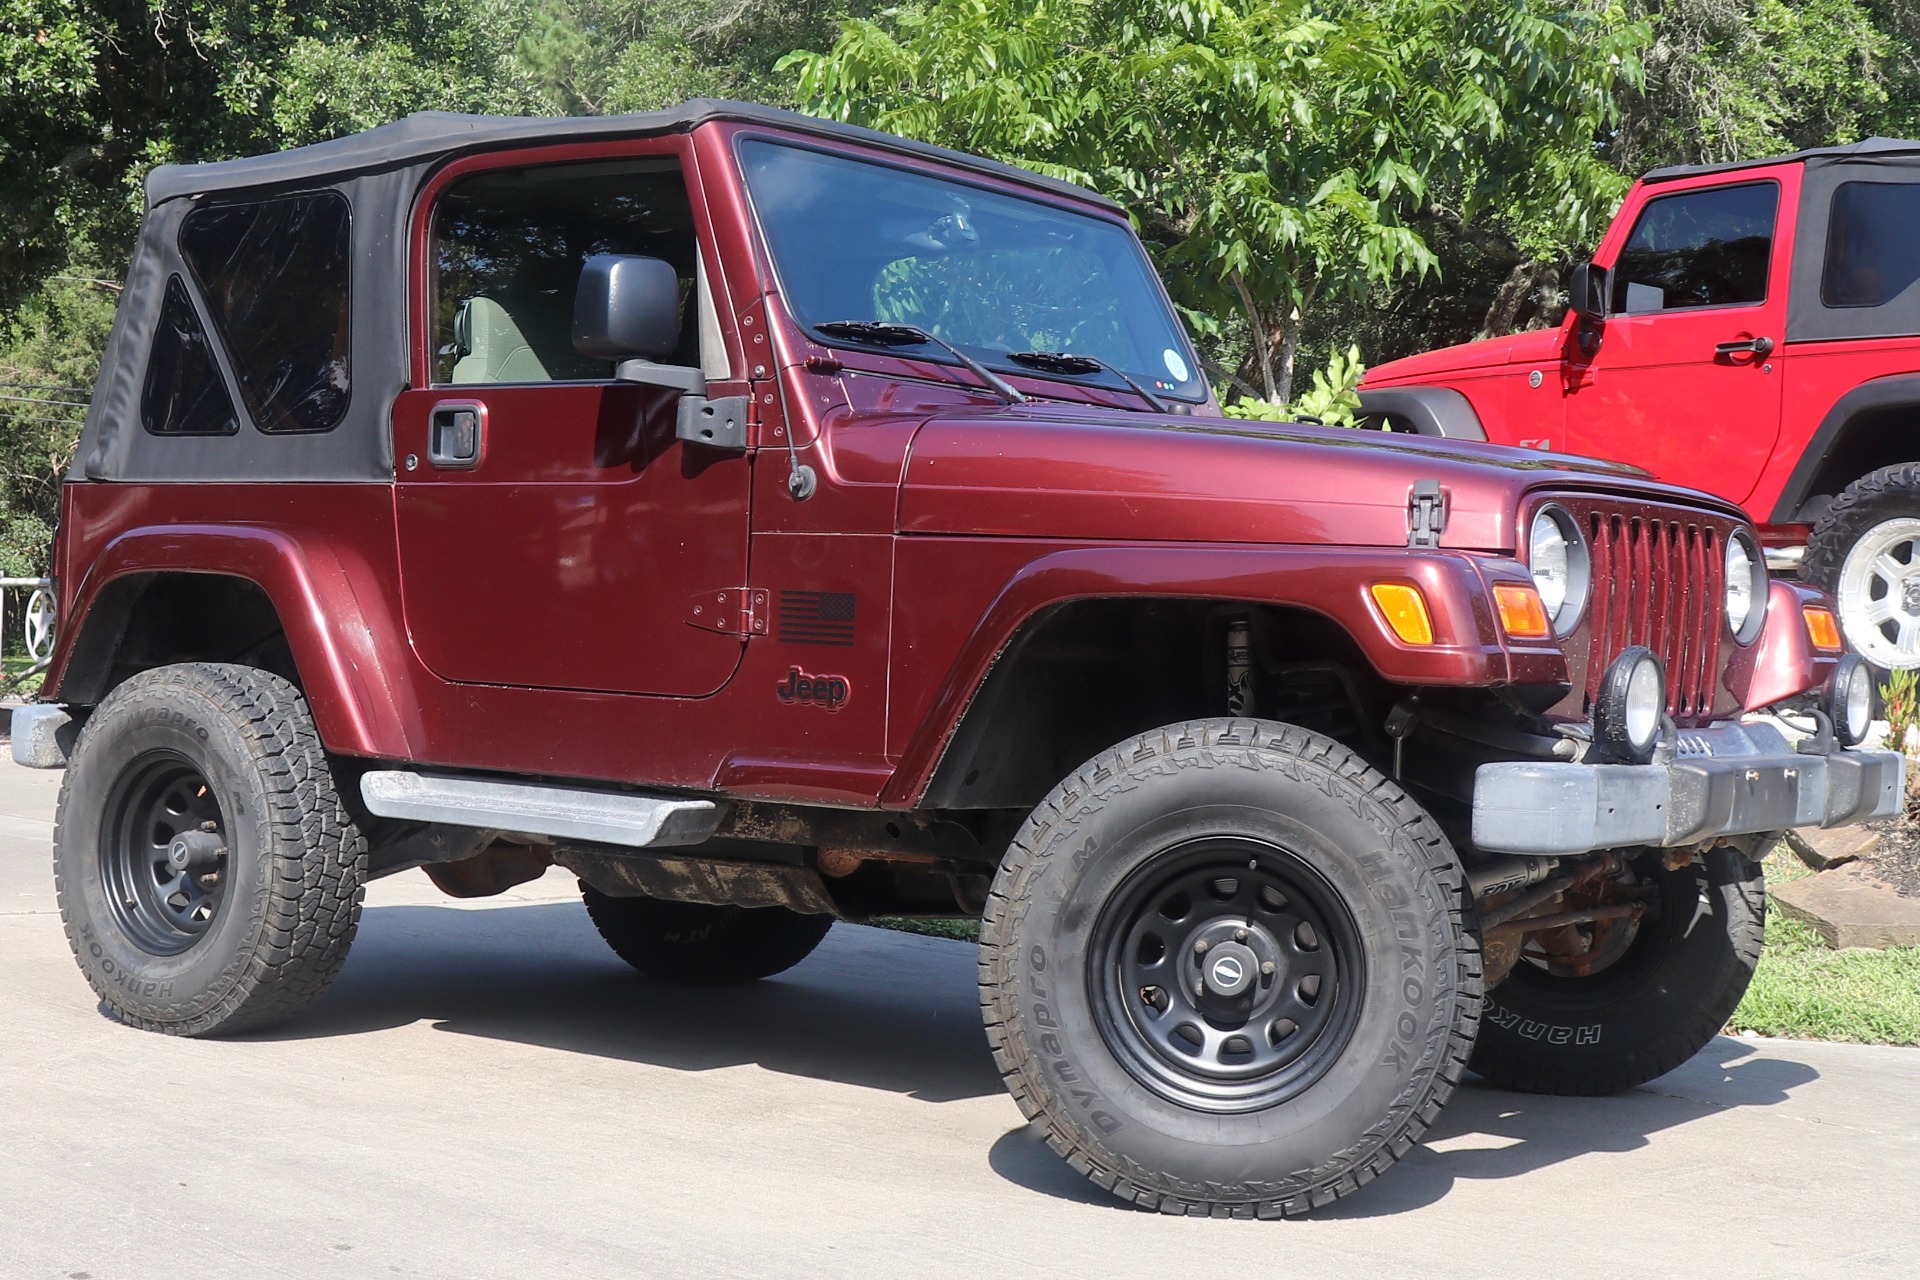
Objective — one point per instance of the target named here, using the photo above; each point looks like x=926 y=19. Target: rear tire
x=257 y=924
x=1865 y=553
x=1182 y=1087
x=1668 y=994
x=702 y=945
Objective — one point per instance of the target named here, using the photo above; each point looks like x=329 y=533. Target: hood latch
x=1426 y=513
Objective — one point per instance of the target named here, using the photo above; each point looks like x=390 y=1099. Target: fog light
x=1850 y=700
x=1633 y=698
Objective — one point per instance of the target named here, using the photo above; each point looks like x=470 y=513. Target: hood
x=1537 y=346
x=1056 y=471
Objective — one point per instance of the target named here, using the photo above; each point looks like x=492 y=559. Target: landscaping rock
x=1821 y=849
x=1851 y=907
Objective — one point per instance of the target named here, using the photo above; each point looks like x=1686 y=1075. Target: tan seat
x=494 y=348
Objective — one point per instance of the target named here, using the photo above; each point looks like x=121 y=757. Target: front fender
x=340 y=626
x=1468 y=650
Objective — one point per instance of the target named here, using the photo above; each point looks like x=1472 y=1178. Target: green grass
x=1804 y=990
x=10 y=683
x=964 y=929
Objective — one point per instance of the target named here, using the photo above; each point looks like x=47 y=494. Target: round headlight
x=1632 y=704
x=1746 y=588
x=1557 y=558
x=1850 y=700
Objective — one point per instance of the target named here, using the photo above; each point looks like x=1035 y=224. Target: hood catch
x=1426 y=513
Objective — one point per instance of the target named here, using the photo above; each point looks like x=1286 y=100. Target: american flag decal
x=817 y=617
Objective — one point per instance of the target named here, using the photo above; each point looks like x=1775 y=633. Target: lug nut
x=1267 y=968
x=1200 y=947
x=1239 y=935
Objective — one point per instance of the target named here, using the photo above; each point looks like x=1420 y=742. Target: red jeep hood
x=1538 y=346
x=1059 y=472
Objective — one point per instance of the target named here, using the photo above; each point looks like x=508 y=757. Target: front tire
x=702 y=945
x=1262 y=1091
x=1865 y=553
x=251 y=917
x=1671 y=990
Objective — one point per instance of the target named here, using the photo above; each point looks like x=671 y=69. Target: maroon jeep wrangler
x=773 y=522
x=1749 y=329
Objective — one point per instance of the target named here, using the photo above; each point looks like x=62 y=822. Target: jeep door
x=553 y=531
x=1686 y=379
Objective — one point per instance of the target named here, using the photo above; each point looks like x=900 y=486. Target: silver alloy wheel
x=1879 y=594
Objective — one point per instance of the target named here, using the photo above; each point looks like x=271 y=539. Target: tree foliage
x=1277 y=153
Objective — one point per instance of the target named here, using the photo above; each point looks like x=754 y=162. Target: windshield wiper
x=878 y=333
x=1072 y=362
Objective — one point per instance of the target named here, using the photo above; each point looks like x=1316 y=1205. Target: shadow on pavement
x=899 y=1013
x=1490 y=1133
x=870 y=1007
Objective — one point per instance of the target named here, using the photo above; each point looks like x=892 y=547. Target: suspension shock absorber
x=1240 y=668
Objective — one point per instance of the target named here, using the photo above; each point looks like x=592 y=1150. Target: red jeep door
x=553 y=531
x=1686 y=380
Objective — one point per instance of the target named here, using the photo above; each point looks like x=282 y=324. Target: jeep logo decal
x=801 y=689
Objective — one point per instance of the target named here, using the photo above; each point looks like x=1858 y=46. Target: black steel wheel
x=163 y=856
x=209 y=877
x=1227 y=969
x=1228 y=976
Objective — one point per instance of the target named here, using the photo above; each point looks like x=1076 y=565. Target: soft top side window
x=1705 y=248
x=507 y=249
x=184 y=394
x=1873 y=244
x=275 y=276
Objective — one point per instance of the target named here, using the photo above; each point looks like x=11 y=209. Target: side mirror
x=627 y=310
x=627 y=307
x=1587 y=292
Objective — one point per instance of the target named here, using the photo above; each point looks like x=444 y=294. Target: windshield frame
x=1103 y=382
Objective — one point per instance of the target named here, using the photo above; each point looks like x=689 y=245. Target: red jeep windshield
x=992 y=274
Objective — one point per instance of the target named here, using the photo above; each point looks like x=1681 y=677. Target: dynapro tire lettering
x=1072 y=1085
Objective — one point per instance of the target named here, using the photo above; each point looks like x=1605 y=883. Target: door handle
x=1756 y=347
x=456 y=433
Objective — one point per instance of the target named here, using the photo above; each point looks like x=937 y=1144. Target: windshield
x=992 y=274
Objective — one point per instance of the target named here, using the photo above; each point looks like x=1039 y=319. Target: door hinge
x=732 y=611
x=1426 y=513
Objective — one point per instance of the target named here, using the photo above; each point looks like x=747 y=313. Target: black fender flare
x=1882 y=393
x=1430 y=411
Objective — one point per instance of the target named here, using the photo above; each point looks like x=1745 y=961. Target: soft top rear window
x=274 y=274
x=1873 y=244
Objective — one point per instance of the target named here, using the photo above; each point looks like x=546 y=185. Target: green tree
x=1276 y=153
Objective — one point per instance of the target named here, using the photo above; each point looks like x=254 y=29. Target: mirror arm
x=681 y=378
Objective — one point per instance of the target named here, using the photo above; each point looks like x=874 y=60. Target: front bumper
x=1727 y=780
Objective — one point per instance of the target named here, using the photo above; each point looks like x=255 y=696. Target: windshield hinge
x=1426 y=513
x=733 y=611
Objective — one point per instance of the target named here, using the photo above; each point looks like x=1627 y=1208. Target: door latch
x=1426 y=513
x=1757 y=347
x=455 y=433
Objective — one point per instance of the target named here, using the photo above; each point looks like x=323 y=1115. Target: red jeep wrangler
x=773 y=522
x=1748 y=329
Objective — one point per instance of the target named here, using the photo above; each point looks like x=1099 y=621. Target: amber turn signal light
x=1823 y=628
x=1522 y=614
x=1405 y=610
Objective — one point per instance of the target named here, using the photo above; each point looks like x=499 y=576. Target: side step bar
x=567 y=813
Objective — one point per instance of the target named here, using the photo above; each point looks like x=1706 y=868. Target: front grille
x=1657 y=581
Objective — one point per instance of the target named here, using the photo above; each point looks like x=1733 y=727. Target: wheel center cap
x=1230 y=969
x=1910 y=595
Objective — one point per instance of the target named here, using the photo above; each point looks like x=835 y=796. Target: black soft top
x=1869 y=149
x=432 y=135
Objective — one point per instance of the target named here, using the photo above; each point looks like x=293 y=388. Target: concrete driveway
x=487 y=1092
